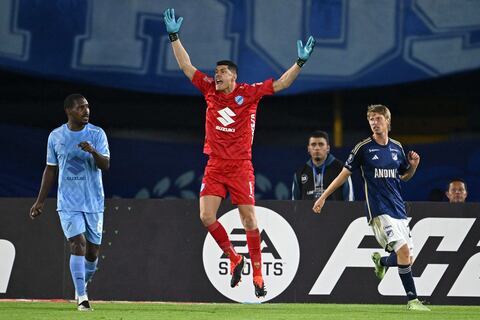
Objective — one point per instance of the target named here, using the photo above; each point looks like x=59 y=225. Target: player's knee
x=403 y=255
x=207 y=218
x=247 y=216
x=78 y=246
x=91 y=256
x=249 y=222
x=92 y=252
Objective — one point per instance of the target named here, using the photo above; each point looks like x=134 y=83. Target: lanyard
x=322 y=168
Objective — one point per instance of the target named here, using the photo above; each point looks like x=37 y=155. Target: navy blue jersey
x=381 y=167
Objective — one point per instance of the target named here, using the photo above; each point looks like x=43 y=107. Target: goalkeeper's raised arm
x=173 y=27
x=291 y=74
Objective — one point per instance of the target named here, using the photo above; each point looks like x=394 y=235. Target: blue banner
x=123 y=43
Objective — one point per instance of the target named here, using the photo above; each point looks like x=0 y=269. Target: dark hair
x=457 y=180
x=69 y=101
x=230 y=64
x=319 y=134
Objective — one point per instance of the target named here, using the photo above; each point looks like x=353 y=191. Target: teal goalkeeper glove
x=304 y=52
x=172 y=26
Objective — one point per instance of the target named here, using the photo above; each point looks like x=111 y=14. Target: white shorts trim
x=392 y=233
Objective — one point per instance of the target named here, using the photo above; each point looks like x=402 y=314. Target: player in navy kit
x=383 y=164
x=78 y=152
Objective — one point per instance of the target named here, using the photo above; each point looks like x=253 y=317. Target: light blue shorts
x=77 y=222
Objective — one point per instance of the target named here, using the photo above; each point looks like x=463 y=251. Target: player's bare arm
x=292 y=73
x=49 y=175
x=336 y=183
x=414 y=161
x=183 y=59
x=102 y=162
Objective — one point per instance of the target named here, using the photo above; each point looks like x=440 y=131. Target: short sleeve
x=354 y=160
x=203 y=82
x=51 y=154
x=102 y=144
x=404 y=165
x=260 y=89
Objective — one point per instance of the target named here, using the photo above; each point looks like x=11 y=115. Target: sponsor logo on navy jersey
x=385 y=173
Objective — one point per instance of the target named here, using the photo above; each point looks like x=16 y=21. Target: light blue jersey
x=80 y=186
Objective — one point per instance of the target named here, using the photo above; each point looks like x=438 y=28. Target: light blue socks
x=77 y=269
x=90 y=268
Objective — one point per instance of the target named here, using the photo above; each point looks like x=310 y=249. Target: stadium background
x=419 y=57
x=154 y=118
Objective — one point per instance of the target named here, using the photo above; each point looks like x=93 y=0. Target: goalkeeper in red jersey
x=229 y=129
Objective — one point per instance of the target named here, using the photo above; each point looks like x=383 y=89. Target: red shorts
x=234 y=176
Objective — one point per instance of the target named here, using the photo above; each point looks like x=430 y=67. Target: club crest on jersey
x=394 y=156
x=239 y=100
x=304 y=178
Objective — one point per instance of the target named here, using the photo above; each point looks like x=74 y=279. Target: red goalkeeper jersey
x=230 y=119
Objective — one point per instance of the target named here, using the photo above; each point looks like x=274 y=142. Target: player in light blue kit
x=78 y=152
x=383 y=164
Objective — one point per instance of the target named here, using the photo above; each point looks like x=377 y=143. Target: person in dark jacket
x=313 y=178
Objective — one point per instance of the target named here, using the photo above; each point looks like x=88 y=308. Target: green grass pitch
x=214 y=311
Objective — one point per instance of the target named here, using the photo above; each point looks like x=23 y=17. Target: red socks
x=221 y=237
x=253 y=241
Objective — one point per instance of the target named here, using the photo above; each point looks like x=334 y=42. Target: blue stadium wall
x=157 y=250
x=415 y=40
x=152 y=169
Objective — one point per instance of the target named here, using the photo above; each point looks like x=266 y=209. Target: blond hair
x=380 y=109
